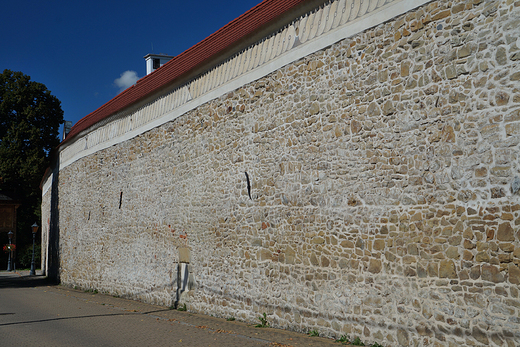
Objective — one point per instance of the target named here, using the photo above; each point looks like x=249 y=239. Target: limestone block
x=491 y=273
x=447 y=269
x=505 y=232
x=514 y=274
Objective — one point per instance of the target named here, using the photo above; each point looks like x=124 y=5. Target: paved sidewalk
x=34 y=312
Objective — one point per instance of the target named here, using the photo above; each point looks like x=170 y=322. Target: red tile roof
x=247 y=24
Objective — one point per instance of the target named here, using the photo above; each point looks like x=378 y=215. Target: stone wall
x=46 y=209
x=368 y=189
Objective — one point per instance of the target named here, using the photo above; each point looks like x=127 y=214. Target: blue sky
x=79 y=48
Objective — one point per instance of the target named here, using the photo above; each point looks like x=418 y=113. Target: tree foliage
x=30 y=119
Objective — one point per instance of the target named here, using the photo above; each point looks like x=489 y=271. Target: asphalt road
x=35 y=312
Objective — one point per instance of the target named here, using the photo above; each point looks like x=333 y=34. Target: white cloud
x=127 y=79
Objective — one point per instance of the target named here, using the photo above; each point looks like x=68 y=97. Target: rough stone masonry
x=383 y=199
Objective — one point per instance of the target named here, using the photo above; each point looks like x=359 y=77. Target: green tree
x=30 y=119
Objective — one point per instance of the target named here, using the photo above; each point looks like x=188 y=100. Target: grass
x=263 y=321
x=182 y=308
x=314 y=333
x=343 y=339
x=357 y=342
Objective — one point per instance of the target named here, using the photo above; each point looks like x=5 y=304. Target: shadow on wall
x=182 y=282
x=53 y=251
x=183 y=275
